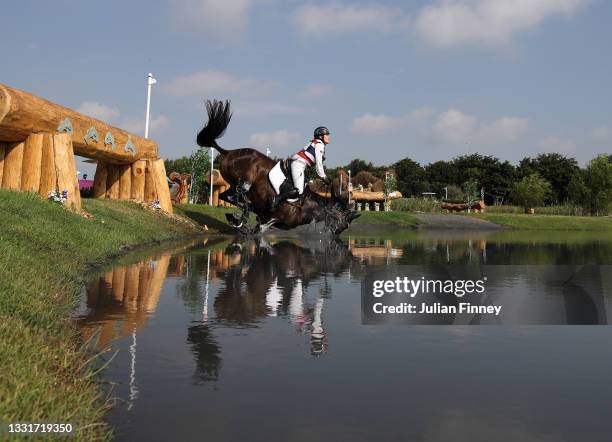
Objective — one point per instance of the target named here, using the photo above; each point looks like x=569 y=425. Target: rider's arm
x=319 y=154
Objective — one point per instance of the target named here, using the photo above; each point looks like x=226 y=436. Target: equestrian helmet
x=320 y=131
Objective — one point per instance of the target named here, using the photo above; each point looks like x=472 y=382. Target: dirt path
x=435 y=221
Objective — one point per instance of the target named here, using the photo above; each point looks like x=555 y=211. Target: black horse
x=246 y=170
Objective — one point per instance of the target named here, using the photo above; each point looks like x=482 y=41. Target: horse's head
x=339 y=187
x=343 y=218
x=333 y=211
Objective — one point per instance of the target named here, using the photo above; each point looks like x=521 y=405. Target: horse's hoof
x=234 y=222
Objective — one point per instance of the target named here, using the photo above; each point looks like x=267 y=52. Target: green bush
x=531 y=191
x=470 y=188
x=415 y=205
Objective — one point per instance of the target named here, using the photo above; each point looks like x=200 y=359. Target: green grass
x=391 y=219
x=548 y=222
x=427 y=205
x=559 y=209
x=214 y=217
x=46 y=252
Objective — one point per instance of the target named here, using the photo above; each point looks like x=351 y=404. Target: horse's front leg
x=229 y=196
x=237 y=196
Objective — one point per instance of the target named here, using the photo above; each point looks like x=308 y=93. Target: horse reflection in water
x=272 y=279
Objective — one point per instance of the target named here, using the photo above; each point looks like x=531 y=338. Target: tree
x=390 y=185
x=200 y=168
x=557 y=169
x=592 y=187
x=471 y=192
x=410 y=176
x=531 y=191
x=357 y=165
x=525 y=168
x=180 y=165
x=441 y=174
x=496 y=177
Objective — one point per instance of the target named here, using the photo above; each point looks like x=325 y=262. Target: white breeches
x=297 y=173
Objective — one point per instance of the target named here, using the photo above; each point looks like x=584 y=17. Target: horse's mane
x=314 y=196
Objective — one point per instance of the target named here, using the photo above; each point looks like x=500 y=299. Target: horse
x=246 y=170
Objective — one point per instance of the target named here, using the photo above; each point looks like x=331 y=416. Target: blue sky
x=392 y=79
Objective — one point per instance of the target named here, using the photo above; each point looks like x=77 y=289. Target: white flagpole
x=349 y=188
x=212 y=161
x=150 y=81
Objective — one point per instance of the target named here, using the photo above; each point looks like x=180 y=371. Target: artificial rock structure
x=38 y=141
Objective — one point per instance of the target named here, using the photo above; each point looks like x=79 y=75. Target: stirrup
x=279 y=199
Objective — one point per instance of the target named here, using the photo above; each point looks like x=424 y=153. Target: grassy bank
x=46 y=251
x=548 y=222
x=402 y=220
x=214 y=218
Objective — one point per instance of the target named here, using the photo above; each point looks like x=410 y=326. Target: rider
x=312 y=154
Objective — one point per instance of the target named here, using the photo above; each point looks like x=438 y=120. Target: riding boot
x=284 y=196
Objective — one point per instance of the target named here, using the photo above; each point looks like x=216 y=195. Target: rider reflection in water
x=312 y=154
x=318 y=337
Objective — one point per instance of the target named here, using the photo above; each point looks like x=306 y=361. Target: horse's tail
x=219 y=116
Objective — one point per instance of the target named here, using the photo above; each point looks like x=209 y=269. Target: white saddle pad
x=276 y=177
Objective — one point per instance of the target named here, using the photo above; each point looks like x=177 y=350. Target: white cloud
x=219 y=19
x=277 y=139
x=454 y=127
x=214 y=82
x=136 y=125
x=340 y=18
x=557 y=144
x=488 y=22
x=98 y=110
x=502 y=131
x=318 y=90
x=449 y=127
x=375 y=124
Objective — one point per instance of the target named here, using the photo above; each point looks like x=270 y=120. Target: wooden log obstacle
x=365 y=199
x=38 y=142
x=478 y=206
x=376 y=199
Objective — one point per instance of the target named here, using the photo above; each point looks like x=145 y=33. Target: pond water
x=229 y=341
